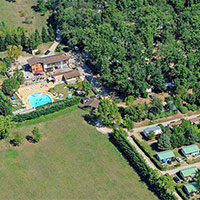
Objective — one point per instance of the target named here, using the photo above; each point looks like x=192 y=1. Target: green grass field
x=10 y=14
x=72 y=161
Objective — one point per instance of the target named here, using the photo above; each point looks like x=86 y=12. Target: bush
x=47 y=109
x=17 y=139
x=38 y=52
x=36 y=134
x=59 y=48
x=183 y=109
x=192 y=107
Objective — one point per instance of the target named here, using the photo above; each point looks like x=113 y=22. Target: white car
x=179 y=159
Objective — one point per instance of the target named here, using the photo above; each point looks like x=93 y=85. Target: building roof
x=195 y=120
x=165 y=154
x=155 y=128
x=191 y=187
x=47 y=59
x=54 y=58
x=190 y=149
x=34 y=60
x=93 y=103
x=189 y=172
x=71 y=74
x=177 y=123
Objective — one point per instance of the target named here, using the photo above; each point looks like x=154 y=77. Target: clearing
x=72 y=161
x=15 y=14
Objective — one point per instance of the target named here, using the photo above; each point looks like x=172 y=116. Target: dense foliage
x=136 y=45
x=185 y=134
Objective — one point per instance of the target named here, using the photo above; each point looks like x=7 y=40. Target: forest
x=137 y=45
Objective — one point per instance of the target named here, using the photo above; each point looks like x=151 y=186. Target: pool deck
x=24 y=92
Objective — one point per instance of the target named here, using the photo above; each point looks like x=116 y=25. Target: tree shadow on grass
x=90 y=119
x=30 y=139
x=13 y=143
x=154 y=146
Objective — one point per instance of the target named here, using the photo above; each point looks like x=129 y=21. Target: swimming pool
x=37 y=99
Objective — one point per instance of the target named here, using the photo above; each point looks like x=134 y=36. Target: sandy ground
x=24 y=92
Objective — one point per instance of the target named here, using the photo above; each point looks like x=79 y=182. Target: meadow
x=72 y=161
x=14 y=14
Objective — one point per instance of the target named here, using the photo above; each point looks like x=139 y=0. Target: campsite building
x=190 y=150
x=164 y=156
x=188 y=173
x=156 y=130
x=191 y=188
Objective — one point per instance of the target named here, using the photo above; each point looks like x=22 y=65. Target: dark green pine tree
x=23 y=40
x=38 y=39
x=2 y=46
x=51 y=33
x=8 y=40
x=16 y=39
x=45 y=37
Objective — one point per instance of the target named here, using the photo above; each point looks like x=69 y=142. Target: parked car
x=176 y=179
x=47 y=52
x=179 y=159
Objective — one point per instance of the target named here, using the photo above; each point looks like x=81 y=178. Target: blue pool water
x=37 y=99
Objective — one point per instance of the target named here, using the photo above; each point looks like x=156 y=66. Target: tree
x=19 y=76
x=41 y=6
x=23 y=40
x=164 y=142
x=36 y=134
x=5 y=125
x=108 y=113
x=51 y=33
x=190 y=136
x=8 y=40
x=10 y=86
x=128 y=123
x=5 y=105
x=129 y=100
x=2 y=68
x=45 y=36
x=13 y=52
x=157 y=106
x=86 y=87
x=37 y=38
x=18 y=139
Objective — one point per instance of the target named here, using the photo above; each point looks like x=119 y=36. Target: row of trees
x=185 y=134
x=20 y=38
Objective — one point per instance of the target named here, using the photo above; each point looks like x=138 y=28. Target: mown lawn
x=10 y=14
x=72 y=161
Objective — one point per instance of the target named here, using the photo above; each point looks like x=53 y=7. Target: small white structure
x=156 y=129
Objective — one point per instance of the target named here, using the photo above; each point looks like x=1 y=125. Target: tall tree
x=5 y=105
x=164 y=142
x=45 y=36
x=5 y=125
x=108 y=113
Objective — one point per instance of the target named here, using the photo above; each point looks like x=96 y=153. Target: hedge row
x=47 y=109
x=137 y=161
x=147 y=153
x=182 y=194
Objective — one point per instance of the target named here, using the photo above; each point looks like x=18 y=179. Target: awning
x=38 y=71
